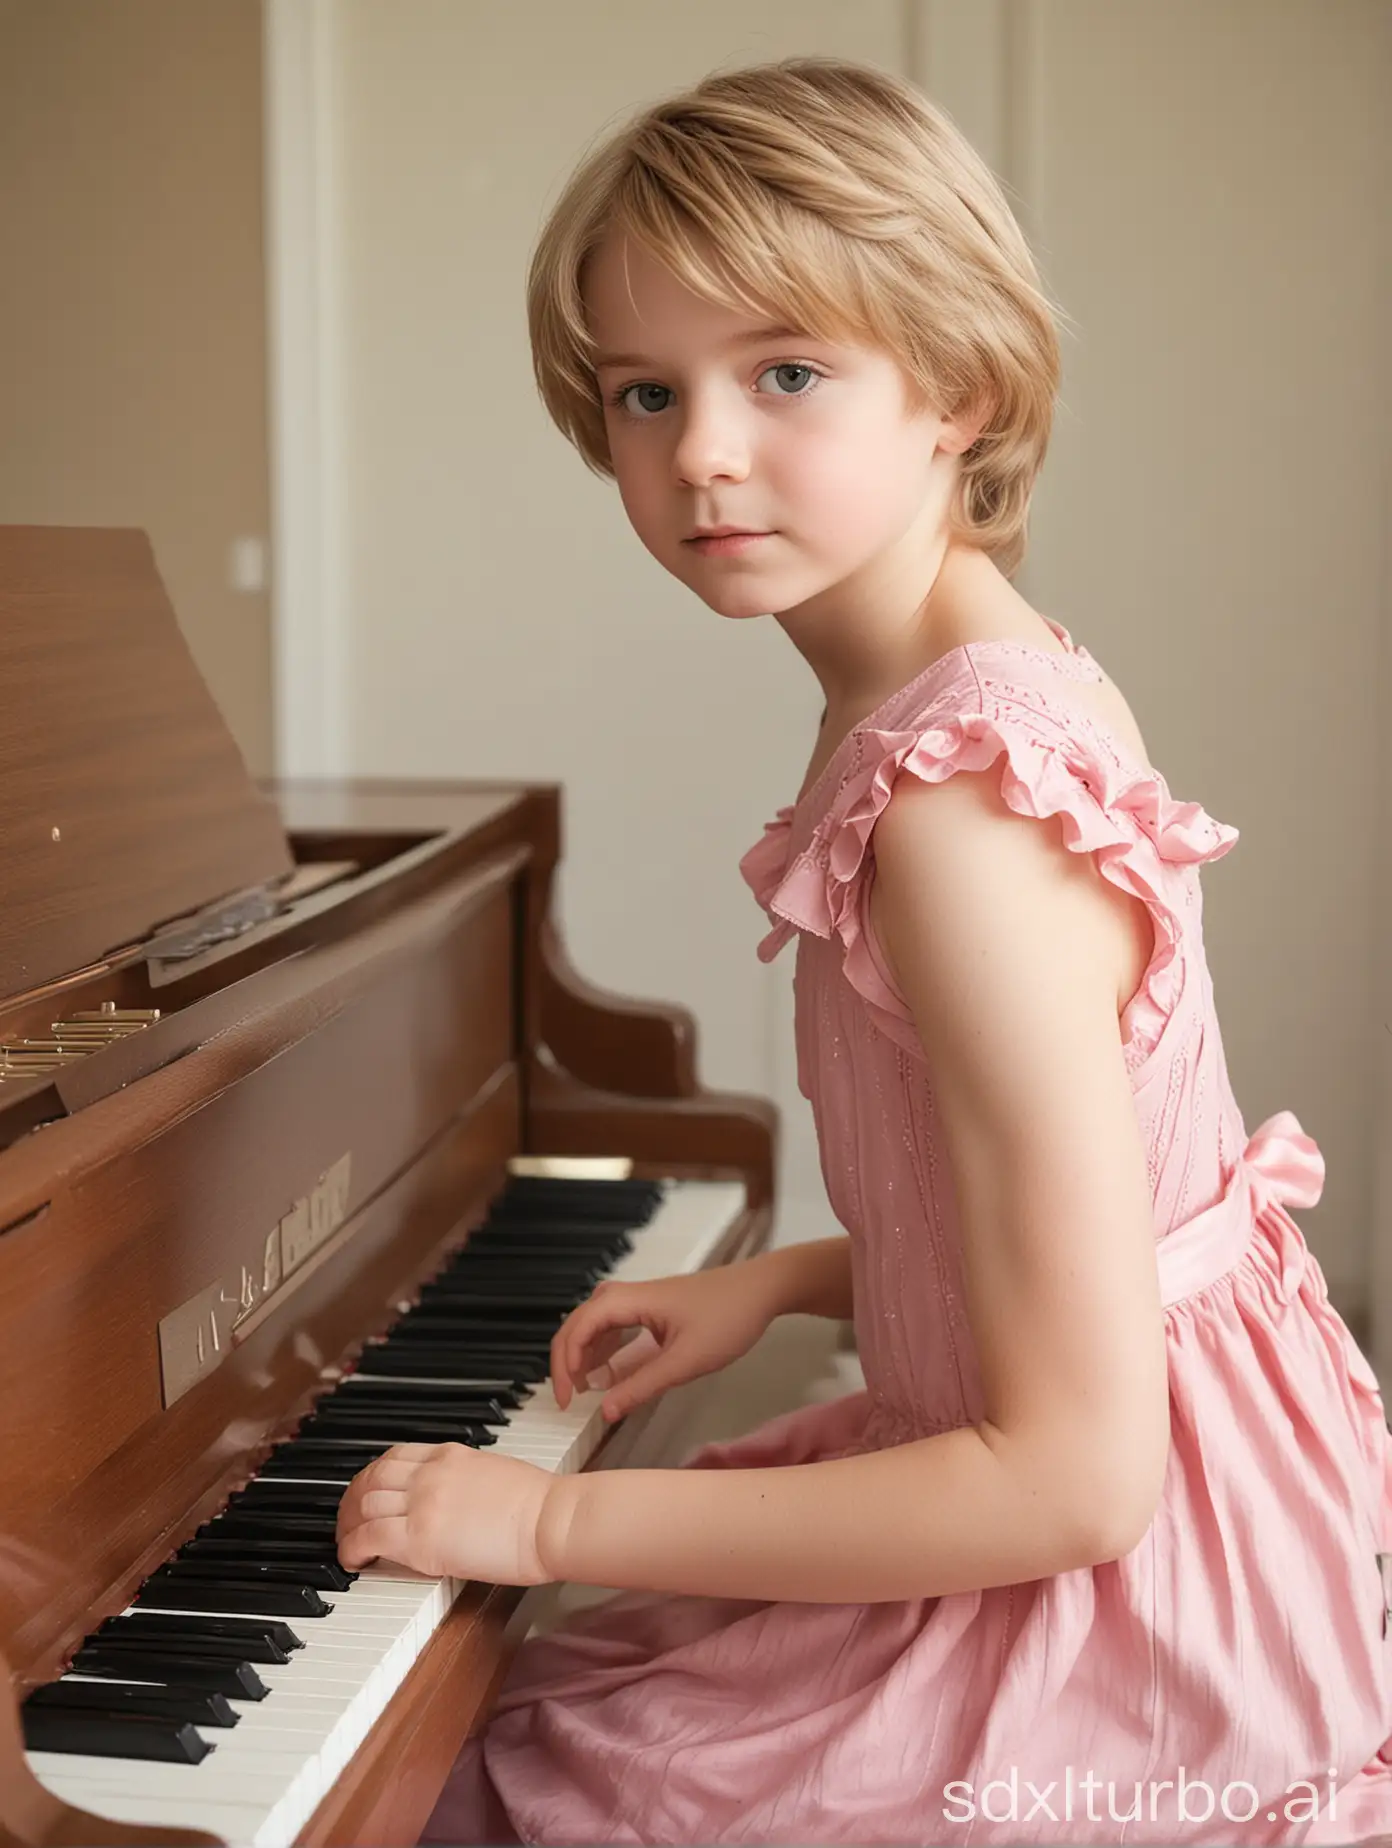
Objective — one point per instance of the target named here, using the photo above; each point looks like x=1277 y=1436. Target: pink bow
x=1281 y=1166
x=1285 y=1163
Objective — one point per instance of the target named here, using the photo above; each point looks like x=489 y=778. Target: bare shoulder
x=955 y=866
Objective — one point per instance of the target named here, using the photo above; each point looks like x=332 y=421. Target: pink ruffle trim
x=1127 y=818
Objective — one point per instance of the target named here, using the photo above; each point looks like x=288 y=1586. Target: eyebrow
x=755 y=337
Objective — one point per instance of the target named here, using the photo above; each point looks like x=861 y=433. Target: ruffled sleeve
x=1142 y=837
x=763 y=868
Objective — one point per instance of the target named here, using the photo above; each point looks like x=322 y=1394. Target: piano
x=310 y=1135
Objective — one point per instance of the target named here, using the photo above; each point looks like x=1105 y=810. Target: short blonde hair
x=835 y=196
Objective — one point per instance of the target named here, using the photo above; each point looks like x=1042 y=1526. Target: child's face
x=720 y=425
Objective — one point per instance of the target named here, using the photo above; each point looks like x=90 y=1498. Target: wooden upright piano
x=272 y=1064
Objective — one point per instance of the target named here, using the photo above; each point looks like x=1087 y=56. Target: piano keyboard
x=231 y=1695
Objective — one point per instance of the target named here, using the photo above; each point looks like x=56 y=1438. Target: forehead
x=633 y=300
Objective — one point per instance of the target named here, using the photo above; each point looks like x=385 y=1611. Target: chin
x=734 y=604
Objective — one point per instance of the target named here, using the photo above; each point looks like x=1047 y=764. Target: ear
x=962 y=428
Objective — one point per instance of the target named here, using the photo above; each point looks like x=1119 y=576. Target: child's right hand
x=687 y=1326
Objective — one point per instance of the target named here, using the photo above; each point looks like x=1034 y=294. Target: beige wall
x=1213 y=516
x=1210 y=524
x=132 y=310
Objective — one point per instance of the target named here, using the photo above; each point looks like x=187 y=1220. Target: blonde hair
x=837 y=197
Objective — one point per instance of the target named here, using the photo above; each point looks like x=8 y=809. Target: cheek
x=847 y=494
x=641 y=487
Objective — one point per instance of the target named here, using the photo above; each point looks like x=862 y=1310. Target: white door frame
x=309 y=634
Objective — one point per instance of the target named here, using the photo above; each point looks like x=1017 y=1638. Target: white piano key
x=241 y=1823
x=267 y=1775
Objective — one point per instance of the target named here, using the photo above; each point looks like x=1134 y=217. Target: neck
x=872 y=635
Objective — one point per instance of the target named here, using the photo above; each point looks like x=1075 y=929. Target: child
x=1094 y=1557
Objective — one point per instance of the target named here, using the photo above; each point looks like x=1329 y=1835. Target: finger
x=380 y=1504
x=614 y=1322
x=599 y=1356
x=634 y=1354
x=379 y=1539
x=388 y=1472
x=393 y=1469
x=657 y=1371
x=576 y=1336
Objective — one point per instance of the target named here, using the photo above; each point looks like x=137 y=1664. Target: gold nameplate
x=201 y=1333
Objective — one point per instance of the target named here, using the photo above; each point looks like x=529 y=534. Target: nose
x=713 y=443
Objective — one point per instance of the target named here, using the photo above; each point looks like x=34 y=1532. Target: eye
x=807 y=373
x=621 y=399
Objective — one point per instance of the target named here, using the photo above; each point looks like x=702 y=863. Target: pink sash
x=1281 y=1166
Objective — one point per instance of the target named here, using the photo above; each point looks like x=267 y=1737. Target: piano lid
x=124 y=800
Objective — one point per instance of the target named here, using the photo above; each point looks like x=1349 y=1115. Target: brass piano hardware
x=42 y=1045
x=73 y=1038
x=93 y=1038
x=109 y=1011
x=574 y=1167
x=200 y=1333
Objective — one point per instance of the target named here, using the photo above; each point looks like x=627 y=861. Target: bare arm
x=1007 y=948
x=807 y=1279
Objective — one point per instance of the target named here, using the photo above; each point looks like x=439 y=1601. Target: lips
x=716 y=544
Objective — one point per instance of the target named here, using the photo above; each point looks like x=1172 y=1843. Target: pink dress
x=1233 y=1666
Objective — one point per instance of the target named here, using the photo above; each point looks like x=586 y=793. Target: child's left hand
x=448 y=1511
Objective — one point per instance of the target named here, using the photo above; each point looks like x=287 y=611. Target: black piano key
x=273 y=1550
x=239 y=1596
x=518 y=1334
x=195 y=1705
x=49 y=1729
x=500 y=1335
x=506 y=1349
x=301 y=1461
x=513 y=1317
x=490 y=1263
x=322 y=1574
x=372 y=1364
x=446 y=1364
x=187 y=1642
x=364 y=1449
x=633 y=1202
x=337 y=1472
x=404 y=1406
x=341 y=1407
x=260 y=1498
x=563 y=1226
x=568 y=1287
x=394 y=1427
x=259 y=1523
x=567 y=1231
x=250 y=1630
x=555 y=1242
x=374 y=1395
x=510 y=1244
x=238 y=1680
x=529 y=1364
x=491 y=1392
x=489 y=1285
